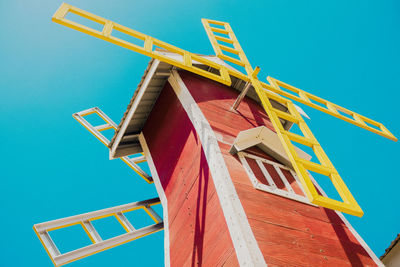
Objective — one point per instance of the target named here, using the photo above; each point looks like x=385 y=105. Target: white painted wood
x=109 y=243
x=99 y=245
x=266 y=140
x=246 y=247
x=125 y=222
x=96 y=109
x=248 y=155
x=96 y=131
x=154 y=214
x=47 y=226
x=131 y=162
x=92 y=231
x=141 y=158
x=90 y=128
x=49 y=244
x=102 y=127
x=248 y=169
x=161 y=194
x=284 y=179
x=283 y=193
x=266 y=174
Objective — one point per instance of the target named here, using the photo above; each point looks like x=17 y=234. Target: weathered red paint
x=289 y=233
x=198 y=232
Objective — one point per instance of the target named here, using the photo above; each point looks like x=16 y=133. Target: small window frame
x=272 y=187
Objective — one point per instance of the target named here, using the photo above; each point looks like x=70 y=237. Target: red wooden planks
x=289 y=233
x=198 y=232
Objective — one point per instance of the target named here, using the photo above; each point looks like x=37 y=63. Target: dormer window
x=272 y=177
x=267 y=165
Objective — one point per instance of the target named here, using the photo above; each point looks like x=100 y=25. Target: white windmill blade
x=132 y=162
x=85 y=220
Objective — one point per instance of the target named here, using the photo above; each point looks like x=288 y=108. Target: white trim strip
x=266 y=174
x=284 y=180
x=247 y=251
x=161 y=194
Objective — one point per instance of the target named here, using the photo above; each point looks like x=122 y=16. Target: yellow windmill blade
x=226 y=41
x=186 y=61
x=301 y=166
x=328 y=107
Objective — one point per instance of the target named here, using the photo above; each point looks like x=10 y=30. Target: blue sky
x=344 y=51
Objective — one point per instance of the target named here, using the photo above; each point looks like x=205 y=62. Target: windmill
x=227 y=152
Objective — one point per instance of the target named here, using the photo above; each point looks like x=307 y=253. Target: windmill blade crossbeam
x=327 y=107
x=147 y=49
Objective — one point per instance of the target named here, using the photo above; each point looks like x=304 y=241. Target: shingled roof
x=130 y=103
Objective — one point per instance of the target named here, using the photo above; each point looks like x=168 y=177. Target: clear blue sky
x=51 y=167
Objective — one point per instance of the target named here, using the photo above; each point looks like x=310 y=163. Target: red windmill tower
x=232 y=175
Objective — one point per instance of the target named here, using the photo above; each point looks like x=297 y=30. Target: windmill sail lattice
x=85 y=220
x=132 y=162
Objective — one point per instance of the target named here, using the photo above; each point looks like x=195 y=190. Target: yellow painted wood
x=301 y=166
x=327 y=107
x=231 y=38
x=109 y=27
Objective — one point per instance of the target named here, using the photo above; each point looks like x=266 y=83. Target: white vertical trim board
x=247 y=250
x=161 y=194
